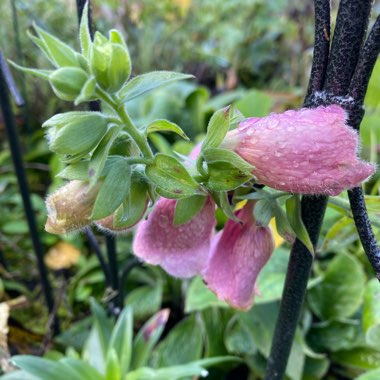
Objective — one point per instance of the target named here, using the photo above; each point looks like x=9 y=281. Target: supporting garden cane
x=5 y=78
x=331 y=78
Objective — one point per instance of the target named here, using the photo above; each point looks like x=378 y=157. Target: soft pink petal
x=182 y=250
x=238 y=254
x=309 y=151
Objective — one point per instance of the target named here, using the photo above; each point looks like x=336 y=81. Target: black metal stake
x=331 y=72
x=24 y=189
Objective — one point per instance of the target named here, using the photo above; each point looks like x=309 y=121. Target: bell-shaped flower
x=238 y=253
x=182 y=250
x=70 y=207
x=309 y=151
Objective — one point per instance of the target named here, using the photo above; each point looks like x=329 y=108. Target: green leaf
x=348 y=294
x=217 y=128
x=293 y=212
x=147 y=338
x=44 y=74
x=145 y=300
x=42 y=46
x=121 y=339
x=84 y=32
x=83 y=369
x=358 y=358
x=119 y=68
x=182 y=345
x=371 y=312
x=150 y=81
x=102 y=324
x=171 y=177
x=370 y=375
x=165 y=125
x=199 y=297
x=43 y=369
x=113 y=370
x=113 y=190
x=78 y=170
x=187 y=208
x=61 y=53
x=264 y=210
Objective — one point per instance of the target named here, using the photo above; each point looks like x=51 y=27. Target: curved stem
x=321 y=48
x=363 y=226
x=129 y=126
x=351 y=26
x=366 y=63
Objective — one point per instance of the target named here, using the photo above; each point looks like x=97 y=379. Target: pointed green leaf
x=170 y=176
x=113 y=370
x=42 y=46
x=150 y=81
x=84 y=32
x=221 y=199
x=165 y=125
x=188 y=208
x=263 y=211
x=87 y=92
x=293 y=212
x=217 y=128
x=62 y=54
x=282 y=224
x=44 y=74
x=121 y=339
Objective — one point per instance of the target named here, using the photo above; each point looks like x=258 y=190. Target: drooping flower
x=309 y=151
x=238 y=253
x=181 y=250
x=70 y=207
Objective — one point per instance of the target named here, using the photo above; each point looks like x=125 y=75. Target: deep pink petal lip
x=181 y=250
x=309 y=151
x=238 y=253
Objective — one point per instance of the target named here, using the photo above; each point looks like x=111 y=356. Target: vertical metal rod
x=24 y=189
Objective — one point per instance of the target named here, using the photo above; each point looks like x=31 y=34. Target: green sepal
x=76 y=171
x=100 y=154
x=293 y=212
x=188 y=208
x=78 y=117
x=212 y=155
x=150 y=81
x=134 y=206
x=114 y=188
x=119 y=69
x=221 y=199
x=165 y=125
x=171 y=178
x=217 y=128
x=62 y=54
x=283 y=226
x=42 y=46
x=264 y=211
x=87 y=92
x=67 y=82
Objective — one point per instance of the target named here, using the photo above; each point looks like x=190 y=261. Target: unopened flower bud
x=110 y=61
x=67 y=82
x=70 y=207
x=309 y=151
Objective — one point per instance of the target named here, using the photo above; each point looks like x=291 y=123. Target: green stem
x=129 y=126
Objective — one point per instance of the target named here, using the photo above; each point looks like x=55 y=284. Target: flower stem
x=129 y=126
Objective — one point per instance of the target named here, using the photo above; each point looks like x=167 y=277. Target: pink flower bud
x=181 y=250
x=70 y=207
x=309 y=151
x=238 y=253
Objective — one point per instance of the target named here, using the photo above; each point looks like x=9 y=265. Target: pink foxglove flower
x=309 y=151
x=238 y=254
x=181 y=250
